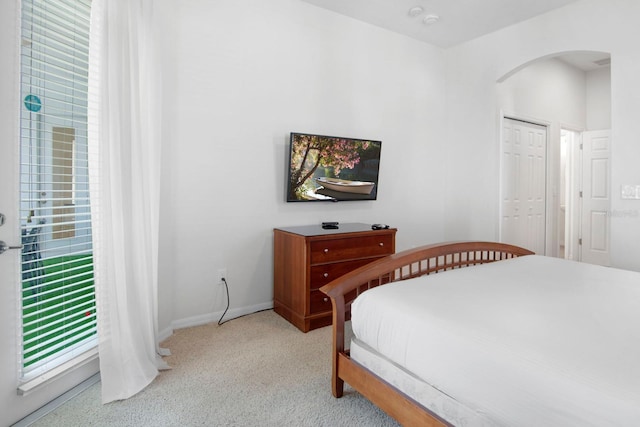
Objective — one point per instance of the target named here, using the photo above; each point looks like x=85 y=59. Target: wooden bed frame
x=404 y=265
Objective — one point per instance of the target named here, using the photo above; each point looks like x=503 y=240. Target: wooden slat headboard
x=417 y=262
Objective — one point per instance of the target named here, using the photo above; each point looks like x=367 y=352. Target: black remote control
x=379 y=227
x=332 y=225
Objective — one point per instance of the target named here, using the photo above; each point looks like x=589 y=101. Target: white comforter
x=532 y=341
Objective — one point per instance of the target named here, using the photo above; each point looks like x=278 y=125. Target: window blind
x=58 y=297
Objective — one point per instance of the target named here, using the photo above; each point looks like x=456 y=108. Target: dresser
x=308 y=257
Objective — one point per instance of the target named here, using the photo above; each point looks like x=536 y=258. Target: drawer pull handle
x=381 y=244
x=326 y=274
x=325 y=299
x=326 y=251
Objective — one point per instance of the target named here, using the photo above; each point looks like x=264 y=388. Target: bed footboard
x=401 y=266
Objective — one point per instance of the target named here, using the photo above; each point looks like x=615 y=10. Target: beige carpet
x=256 y=370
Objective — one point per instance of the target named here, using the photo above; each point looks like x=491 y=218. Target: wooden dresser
x=308 y=257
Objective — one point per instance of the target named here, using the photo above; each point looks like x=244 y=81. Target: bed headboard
x=417 y=262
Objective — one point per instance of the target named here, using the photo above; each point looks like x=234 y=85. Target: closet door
x=522 y=185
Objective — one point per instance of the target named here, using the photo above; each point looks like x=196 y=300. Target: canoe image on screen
x=332 y=168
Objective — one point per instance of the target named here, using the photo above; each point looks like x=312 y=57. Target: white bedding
x=531 y=341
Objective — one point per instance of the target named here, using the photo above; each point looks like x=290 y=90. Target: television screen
x=332 y=168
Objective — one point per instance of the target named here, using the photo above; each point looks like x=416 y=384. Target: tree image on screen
x=332 y=155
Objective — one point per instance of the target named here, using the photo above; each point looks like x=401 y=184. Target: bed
x=517 y=339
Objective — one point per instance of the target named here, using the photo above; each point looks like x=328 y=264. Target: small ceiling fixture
x=415 y=11
x=430 y=19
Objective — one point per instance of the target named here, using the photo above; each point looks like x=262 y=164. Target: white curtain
x=124 y=160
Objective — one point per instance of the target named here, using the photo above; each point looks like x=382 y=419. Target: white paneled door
x=522 y=186
x=596 y=197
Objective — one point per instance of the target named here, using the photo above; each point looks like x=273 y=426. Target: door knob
x=4 y=247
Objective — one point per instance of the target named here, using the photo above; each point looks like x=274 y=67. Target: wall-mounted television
x=332 y=168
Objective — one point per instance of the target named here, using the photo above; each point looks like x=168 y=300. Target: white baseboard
x=203 y=319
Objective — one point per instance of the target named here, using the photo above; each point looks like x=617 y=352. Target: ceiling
x=458 y=20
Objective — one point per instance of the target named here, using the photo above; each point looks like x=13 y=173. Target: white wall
x=166 y=15
x=599 y=99
x=548 y=91
x=473 y=70
x=249 y=73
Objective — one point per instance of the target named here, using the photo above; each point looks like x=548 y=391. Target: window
x=58 y=298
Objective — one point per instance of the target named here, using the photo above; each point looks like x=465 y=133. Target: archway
x=565 y=91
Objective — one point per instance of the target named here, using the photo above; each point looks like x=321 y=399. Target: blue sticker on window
x=33 y=103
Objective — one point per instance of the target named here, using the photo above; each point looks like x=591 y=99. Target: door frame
x=574 y=223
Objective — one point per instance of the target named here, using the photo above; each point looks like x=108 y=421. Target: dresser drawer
x=324 y=273
x=323 y=251
x=319 y=302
